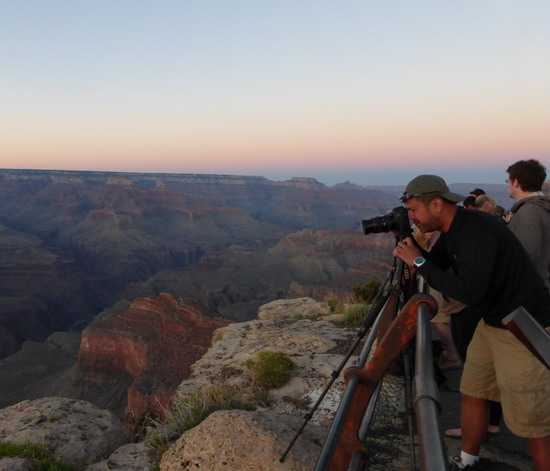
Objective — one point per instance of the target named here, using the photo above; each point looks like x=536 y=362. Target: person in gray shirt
x=529 y=218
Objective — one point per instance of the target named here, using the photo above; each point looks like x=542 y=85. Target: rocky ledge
x=228 y=440
x=79 y=432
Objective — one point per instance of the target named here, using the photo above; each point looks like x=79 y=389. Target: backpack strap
x=542 y=201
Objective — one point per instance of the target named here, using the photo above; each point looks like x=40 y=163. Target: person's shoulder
x=532 y=203
x=537 y=207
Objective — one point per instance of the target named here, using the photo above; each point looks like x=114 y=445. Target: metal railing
x=433 y=455
x=344 y=448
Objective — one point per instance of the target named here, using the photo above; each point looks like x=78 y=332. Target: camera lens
x=397 y=220
x=379 y=224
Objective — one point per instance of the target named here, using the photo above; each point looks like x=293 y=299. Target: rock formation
x=154 y=342
x=228 y=440
x=315 y=343
x=39 y=369
x=129 y=457
x=78 y=431
x=255 y=444
x=308 y=263
x=35 y=281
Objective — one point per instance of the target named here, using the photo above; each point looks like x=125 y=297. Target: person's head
x=430 y=203
x=525 y=176
x=477 y=192
x=469 y=202
x=486 y=204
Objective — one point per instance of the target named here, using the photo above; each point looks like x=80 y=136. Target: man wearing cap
x=491 y=272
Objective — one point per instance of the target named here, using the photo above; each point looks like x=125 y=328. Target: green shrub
x=354 y=314
x=159 y=443
x=270 y=369
x=192 y=410
x=336 y=305
x=41 y=457
x=196 y=407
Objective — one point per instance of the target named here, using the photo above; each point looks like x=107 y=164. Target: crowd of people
x=481 y=263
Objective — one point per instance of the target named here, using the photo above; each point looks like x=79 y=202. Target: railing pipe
x=340 y=418
x=433 y=455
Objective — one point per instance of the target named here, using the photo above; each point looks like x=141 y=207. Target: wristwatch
x=419 y=261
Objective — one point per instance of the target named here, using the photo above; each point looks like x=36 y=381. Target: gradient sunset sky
x=370 y=91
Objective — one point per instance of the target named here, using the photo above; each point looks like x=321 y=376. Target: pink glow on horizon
x=264 y=139
x=382 y=144
x=281 y=87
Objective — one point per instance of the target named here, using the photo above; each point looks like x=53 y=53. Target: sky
x=366 y=91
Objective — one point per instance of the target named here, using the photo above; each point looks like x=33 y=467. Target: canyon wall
x=154 y=342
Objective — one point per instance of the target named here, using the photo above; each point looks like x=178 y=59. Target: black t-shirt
x=491 y=271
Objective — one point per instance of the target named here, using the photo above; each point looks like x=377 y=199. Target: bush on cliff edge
x=354 y=314
x=270 y=369
x=194 y=408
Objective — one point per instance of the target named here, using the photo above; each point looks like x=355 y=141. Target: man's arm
x=474 y=267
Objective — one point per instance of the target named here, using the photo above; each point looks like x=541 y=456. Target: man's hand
x=407 y=251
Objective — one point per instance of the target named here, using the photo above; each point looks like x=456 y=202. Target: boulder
x=78 y=431
x=130 y=457
x=244 y=441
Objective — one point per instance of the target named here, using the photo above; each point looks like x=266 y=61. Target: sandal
x=453 y=433
x=457 y=432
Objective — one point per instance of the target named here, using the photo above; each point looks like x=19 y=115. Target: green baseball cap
x=429 y=185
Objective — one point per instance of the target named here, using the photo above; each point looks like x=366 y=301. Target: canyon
x=75 y=243
x=80 y=252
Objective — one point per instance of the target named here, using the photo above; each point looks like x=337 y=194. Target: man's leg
x=473 y=421
x=540 y=450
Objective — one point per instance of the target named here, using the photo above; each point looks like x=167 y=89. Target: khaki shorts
x=500 y=368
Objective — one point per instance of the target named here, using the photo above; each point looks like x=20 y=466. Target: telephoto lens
x=397 y=220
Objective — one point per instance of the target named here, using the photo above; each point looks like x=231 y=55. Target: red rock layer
x=155 y=341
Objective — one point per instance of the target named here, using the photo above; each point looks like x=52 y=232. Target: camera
x=397 y=220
